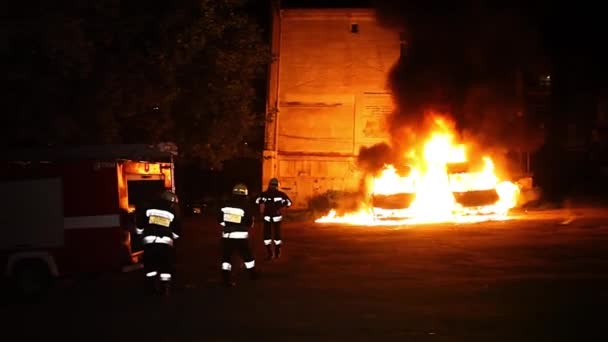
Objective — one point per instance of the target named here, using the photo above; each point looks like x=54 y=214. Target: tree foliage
x=135 y=71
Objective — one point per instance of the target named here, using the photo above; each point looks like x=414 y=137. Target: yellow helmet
x=240 y=189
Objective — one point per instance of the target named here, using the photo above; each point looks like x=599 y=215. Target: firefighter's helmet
x=273 y=182
x=240 y=189
x=169 y=196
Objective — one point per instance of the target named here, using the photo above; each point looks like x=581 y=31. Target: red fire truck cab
x=66 y=211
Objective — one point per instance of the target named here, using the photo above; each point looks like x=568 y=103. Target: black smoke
x=468 y=59
x=372 y=159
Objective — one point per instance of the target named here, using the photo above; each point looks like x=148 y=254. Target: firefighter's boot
x=277 y=251
x=165 y=288
x=226 y=281
x=150 y=286
x=253 y=273
x=269 y=252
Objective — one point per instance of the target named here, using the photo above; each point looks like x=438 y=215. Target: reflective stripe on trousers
x=235 y=235
x=274 y=218
x=163 y=276
x=226 y=266
x=158 y=239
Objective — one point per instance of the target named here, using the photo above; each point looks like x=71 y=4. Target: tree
x=135 y=71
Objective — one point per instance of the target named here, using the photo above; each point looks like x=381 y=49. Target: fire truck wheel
x=32 y=278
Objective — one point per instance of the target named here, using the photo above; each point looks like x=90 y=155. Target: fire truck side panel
x=31 y=214
x=89 y=249
x=91 y=189
x=94 y=240
x=89 y=237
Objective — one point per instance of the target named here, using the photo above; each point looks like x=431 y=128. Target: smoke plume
x=373 y=158
x=465 y=58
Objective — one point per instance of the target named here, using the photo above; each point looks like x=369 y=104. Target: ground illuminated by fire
x=433 y=188
x=367 y=218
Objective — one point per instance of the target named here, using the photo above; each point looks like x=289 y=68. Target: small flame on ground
x=366 y=217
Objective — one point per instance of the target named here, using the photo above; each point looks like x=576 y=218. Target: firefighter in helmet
x=273 y=201
x=159 y=225
x=236 y=219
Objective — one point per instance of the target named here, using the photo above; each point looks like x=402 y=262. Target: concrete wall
x=328 y=96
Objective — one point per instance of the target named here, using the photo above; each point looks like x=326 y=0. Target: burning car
x=438 y=183
x=462 y=191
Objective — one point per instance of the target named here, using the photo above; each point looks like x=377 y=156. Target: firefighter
x=273 y=201
x=236 y=218
x=159 y=226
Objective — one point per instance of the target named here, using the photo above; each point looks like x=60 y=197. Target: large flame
x=433 y=189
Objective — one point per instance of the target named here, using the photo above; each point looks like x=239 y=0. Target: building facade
x=327 y=97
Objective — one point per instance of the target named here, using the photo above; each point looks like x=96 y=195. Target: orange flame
x=438 y=194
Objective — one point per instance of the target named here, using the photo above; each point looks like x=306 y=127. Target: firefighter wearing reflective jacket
x=159 y=225
x=273 y=201
x=236 y=219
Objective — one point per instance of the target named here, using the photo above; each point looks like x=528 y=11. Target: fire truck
x=69 y=211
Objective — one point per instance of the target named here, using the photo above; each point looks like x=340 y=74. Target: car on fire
x=469 y=197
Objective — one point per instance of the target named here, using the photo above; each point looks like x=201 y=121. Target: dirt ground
x=540 y=277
